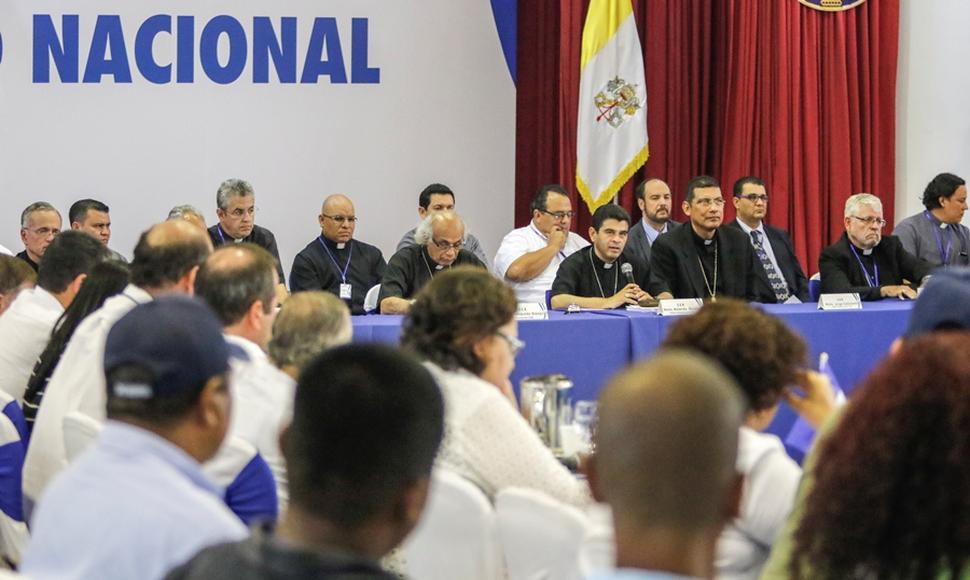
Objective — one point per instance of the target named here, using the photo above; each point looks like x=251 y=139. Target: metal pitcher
x=546 y=403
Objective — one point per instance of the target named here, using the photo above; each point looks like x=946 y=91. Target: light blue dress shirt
x=765 y=242
x=653 y=234
x=132 y=506
x=634 y=574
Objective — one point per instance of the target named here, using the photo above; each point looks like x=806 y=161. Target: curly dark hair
x=758 y=349
x=891 y=497
x=453 y=312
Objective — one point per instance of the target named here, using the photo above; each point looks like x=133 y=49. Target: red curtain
x=802 y=98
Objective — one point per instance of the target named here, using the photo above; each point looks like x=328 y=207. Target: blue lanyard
x=350 y=254
x=541 y=237
x=222 y=239
x=944 y=253
x=875 y=268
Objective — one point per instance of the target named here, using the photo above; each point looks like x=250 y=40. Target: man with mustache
x=702 y=259
x=866 y=262
x=654 y=200
x=596 y=276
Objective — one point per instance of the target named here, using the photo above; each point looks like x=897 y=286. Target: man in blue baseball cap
x=137 y=504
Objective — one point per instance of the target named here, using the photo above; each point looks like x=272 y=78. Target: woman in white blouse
x=463 y=324
x=765 y=357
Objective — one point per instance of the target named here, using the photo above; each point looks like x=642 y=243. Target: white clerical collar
x=341 y=245
x=867 y=252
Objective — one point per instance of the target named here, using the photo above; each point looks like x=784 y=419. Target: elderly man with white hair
x=866 y=262
x=439 y=240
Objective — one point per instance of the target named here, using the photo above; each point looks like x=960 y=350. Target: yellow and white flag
x=611 y=138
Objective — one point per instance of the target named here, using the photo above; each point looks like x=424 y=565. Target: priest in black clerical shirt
x=865 y=262
x=601 y=275
x=702 y=259
x=335 y=262
x=438 y=246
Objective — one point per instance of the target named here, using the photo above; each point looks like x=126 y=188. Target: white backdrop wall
x=932 y=106
x=443 y=110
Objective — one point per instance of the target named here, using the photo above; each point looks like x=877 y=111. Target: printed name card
x=846 y=301
x=531 y=311
x=680 y=306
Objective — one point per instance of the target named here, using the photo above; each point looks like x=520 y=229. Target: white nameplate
x=846 y=301
x=531 y=311
x=679 y=306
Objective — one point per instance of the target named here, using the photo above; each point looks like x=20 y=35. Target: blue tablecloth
x=590 y=347
x=587 y=347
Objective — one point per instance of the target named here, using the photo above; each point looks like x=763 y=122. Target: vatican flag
x=611 y=137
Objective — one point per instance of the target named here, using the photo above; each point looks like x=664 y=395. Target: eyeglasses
x=870 y=221
x=443 y=245
x=239 y=212
x=558 y=215
x=44 y=232
x=341 y=219
x=515 y=345
x=755 y=197
x=708 y=202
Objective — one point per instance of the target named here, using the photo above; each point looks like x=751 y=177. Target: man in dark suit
x=702 y=259
x=780 y=269
x=866 y=262
x=653 y=197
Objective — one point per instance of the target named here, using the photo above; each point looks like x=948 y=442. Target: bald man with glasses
x=335 y=262
x=866 y=262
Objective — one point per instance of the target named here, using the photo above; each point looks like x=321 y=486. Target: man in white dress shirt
x=529 y=257
x=166 y=260
x=668 y=511
x=238 y=281
x=15 y=277
x=26 y=327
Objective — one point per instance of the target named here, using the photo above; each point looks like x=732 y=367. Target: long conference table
x=591 y=346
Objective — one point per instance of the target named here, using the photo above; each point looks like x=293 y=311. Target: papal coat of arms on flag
x=611 y=137
x=831 y=5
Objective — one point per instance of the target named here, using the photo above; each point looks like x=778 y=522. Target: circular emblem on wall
x=832 y=5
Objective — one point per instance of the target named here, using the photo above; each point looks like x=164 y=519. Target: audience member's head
x=307 y=324
x=666 y=445
x=167 y=257
x=238 y=282
x=654 y=201
x=106 y=278
x=236 y=208
x=15 y=275
x=188 y=213
x=759 y=351
x=552 y=209
x=337 y=218
x=890 y=495
x=166 y=366
x=91 y=216
x=68 y=259
x=443 y=234
x=863 y=220
x=946 y=197
x=464 y=319
x=367 y=423
x=704 y=205
x=435 y=198
x=608 y=231
x=750 y=200
x=40 y=222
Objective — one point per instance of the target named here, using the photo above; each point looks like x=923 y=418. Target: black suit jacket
x=637 y=244
x=784 y=251
x=674 y=266
x=841 y=271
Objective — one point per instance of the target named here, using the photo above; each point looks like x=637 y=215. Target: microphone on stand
x=627 y=269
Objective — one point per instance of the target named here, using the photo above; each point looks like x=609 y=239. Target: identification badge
x=345 y=291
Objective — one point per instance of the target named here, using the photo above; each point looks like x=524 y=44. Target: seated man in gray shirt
x=936 y=234
x=437 y=198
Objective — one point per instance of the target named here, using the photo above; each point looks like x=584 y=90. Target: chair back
x=80 y=431
x=456 y=536
x=13 y=530
x=250 y=488
x=370 y=299
x=815 y=286
x=540 y=536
